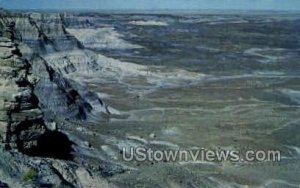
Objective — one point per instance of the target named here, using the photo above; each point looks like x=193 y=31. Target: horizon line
x=157 y=9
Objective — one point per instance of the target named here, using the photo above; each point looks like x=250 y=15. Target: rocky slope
x=22 y=120
x=49 y=109
x=36 y=102
x=43 y=34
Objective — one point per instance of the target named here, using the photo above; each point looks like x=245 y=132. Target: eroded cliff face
x=38 y=55
x=44 y=35
x=35 y=95
x=21 y=119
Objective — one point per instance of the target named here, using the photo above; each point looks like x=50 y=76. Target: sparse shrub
x=29 y=175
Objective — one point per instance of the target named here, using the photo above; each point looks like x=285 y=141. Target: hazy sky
x=152 y=4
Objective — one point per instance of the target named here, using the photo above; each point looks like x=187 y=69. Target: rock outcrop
x=36 y=99
x=43 y=33
x=23 y=125
x=34 y=84
x=21 y=119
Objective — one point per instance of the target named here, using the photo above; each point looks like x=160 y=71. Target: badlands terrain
x=78 y=87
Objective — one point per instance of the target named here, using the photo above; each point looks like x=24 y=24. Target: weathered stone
x=5 y=53
x=7 y=44
x=3 y=115
x=3 y=131
x=26 y=115
x=21 y=120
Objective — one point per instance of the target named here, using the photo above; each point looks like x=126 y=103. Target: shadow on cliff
x=52 y=144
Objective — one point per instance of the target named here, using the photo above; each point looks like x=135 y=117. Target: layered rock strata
x=21 y=119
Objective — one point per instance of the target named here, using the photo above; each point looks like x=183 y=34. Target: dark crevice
x=22 y=82
x=50 y=144
x=72 y=96
x=53 y=144
x=100 y=101
x=50 y=71
x=17 y=52
x=34 y=100
x=82 y=114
